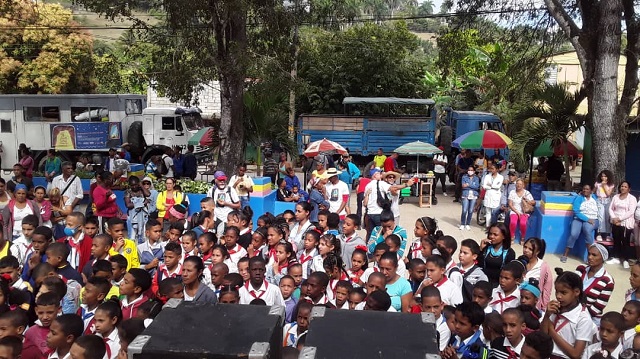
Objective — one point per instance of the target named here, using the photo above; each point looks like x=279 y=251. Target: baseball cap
x=374 y=171
x=220 y=176
x=513 y=173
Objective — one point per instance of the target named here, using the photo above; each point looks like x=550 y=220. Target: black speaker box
x=348 y=334
x=212 y=331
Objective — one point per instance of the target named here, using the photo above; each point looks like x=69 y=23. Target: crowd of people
x=85 y=284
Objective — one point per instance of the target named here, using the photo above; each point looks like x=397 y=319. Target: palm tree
x=552 y=116
x=266 y=120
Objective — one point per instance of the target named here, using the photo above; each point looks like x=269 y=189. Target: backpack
x=382 y=200
x=467 y=287
x=162 y=167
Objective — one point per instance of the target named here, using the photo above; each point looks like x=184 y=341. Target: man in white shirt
x=440 y=170
x=167 y=162
x=370 y=201
x=226 y=200
x=257 y=287
x=337 y=193
x=69 y=185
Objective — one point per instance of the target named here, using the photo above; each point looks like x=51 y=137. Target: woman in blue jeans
x=585 y=219
x=470 y=187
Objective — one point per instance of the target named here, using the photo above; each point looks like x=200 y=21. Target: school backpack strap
x=230 y=196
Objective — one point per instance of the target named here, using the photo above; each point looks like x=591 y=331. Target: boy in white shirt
x=431 y=302
x=611 y=331
x=449 y=292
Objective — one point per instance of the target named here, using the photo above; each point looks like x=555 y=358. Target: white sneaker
x=467 y=227
x=613 y=261
x=461 y=227
x=625 y=265
x=599 y=238
x=445 y=194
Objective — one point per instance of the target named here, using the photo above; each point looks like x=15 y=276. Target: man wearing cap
x=440 y=162
x=126 y=151
x=226 y=199
x=371 y=197
x=337 y=193
x=390 y=178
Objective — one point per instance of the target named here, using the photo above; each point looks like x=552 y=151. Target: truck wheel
x=152 y=151
x=135 y=138
x=446 y=136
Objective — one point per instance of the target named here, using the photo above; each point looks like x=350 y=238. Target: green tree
x=594 y=29
x=365 y=60
x=205 y=40
x=551 y=115
x=42 y=50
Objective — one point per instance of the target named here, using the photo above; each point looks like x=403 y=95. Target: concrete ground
x=447 y=213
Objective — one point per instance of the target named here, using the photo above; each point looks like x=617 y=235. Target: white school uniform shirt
x=344 y=306
x=290 y=335
x=55 y=355
x=113 y=344
x=627 y=338
x=268 y=292
x=316 y=264
x=21 y=248
x=500 y=301
x=74 y=255
x=322 y=300
x=449 y=291
x=443 y=330
x=594 y=348
x=573 y=325
x=331 y=287
x=306 y=260
x=236 y=254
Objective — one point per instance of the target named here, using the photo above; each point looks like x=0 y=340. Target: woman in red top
x=104 y=199
x=27 y=163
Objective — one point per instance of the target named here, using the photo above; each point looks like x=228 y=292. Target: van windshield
x=193 y=121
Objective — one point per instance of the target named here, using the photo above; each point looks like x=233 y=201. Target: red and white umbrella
x=323 y=146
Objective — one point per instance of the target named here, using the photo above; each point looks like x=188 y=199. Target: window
x=168 y=123
x=132 y=106
x=5 y=126
x=89 y=114
x=42 y=114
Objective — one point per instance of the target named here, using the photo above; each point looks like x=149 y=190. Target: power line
x=360 y=19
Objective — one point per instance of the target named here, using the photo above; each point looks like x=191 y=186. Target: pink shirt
x=623 y=209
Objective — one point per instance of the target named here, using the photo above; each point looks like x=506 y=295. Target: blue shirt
x=316 y=199
x=376 y=237
x=397 y=290
x=291 y=182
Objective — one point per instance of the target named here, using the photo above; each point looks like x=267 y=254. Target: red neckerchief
x=271 y=253
x=503 y=300
x=304 y=259
x=235 y=249
x=282 y=266
x=165 y=271
x=354 y=277
x=555 y=323
x=512 y=353
x=253 y=291
x=441 y=282
x=206 y=257
x=106 y=344
x=334 y=282
x=351 y=238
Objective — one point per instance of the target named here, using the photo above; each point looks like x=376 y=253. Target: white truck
x=74 y=124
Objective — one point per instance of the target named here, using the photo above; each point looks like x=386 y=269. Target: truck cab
x=157 y=128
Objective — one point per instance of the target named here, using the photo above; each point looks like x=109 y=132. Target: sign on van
x=86 y=136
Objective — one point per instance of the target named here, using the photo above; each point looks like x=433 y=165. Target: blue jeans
x=577 y=227
x=244 y=201
x=467 y=211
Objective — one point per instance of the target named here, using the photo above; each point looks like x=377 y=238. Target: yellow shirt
x=379 y=160
x=130 y=252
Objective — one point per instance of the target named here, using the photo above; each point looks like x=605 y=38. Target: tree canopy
x=366 y=60
x=42 y=50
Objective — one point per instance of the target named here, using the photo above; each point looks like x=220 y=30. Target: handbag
x=526 y=206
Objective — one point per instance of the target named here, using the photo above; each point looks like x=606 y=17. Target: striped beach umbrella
x=482 y=139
